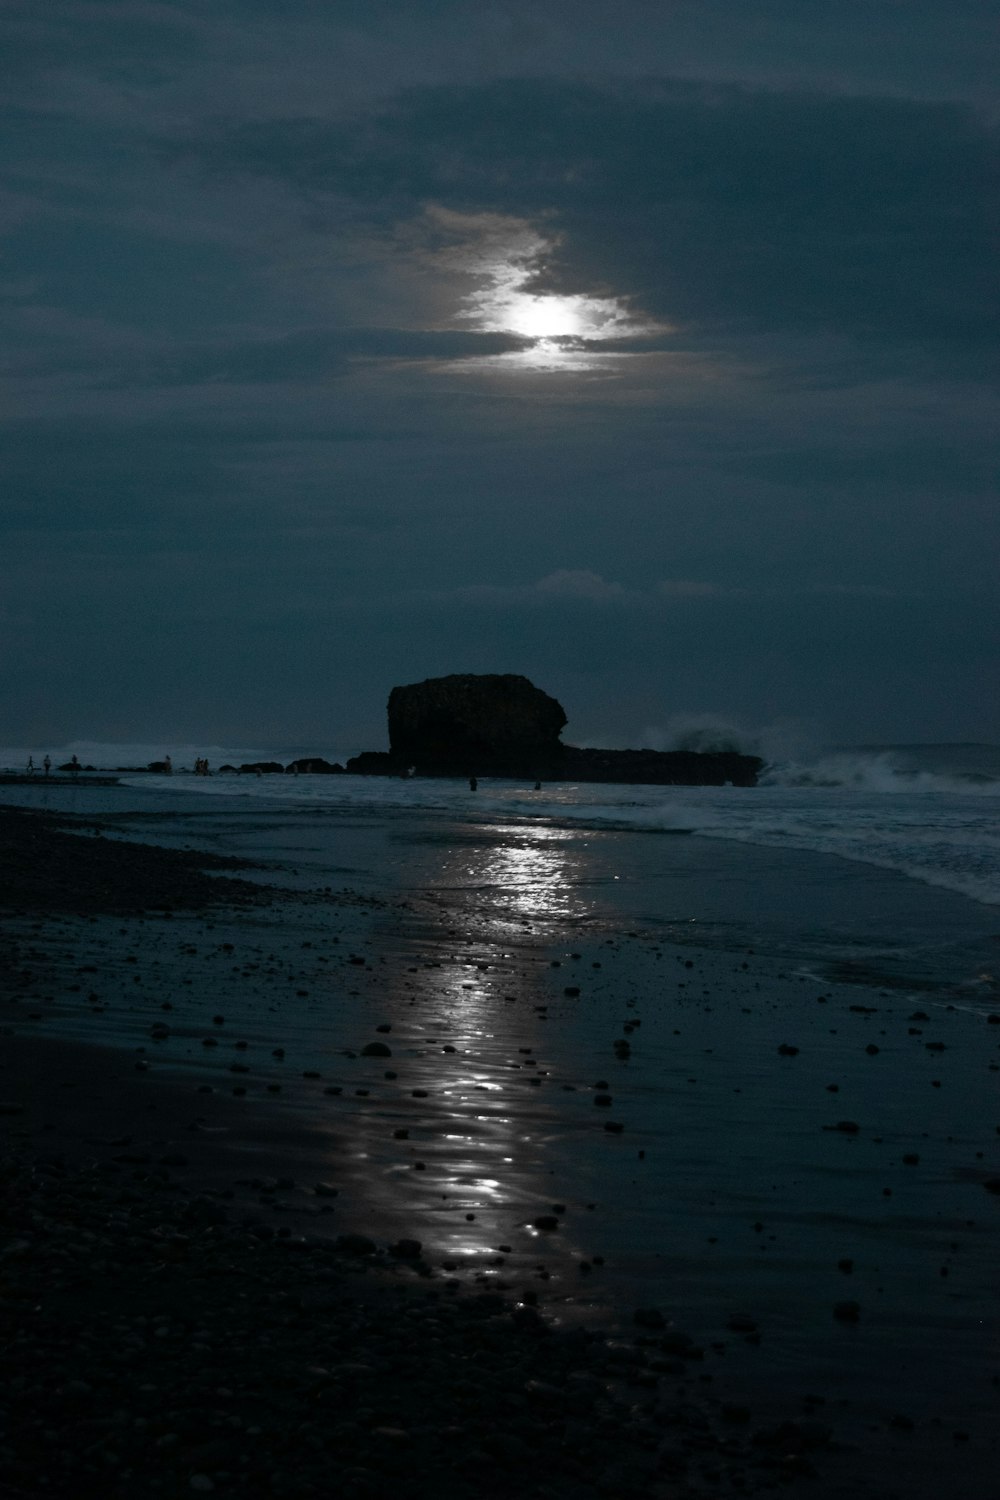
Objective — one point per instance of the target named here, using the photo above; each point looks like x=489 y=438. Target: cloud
x=318 y=354
x=688 y=588
x=564 y=586
x=576 y=587
x=707 y=205
x=578 y=583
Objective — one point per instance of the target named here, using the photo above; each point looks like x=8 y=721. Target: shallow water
x=726 y=1191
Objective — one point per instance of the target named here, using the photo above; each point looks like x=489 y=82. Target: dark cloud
x=705 y=203
x=319 y=354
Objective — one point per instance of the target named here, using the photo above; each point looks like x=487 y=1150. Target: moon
x=544 y=317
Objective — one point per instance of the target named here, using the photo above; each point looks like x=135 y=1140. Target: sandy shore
x=283 y=1207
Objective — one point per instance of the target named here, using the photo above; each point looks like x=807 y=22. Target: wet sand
x=517 y=1130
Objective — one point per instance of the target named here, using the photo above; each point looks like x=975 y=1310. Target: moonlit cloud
x=499 y=264
x=565 y=585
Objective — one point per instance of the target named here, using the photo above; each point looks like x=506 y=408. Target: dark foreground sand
x=169 y=1326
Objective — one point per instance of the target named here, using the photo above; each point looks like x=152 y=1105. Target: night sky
x=646 y=349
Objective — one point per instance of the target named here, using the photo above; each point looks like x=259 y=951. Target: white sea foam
x=881 y=772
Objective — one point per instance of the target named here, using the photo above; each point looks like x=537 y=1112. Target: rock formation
x=493 y=725
x=661 y=767
x=314 y=765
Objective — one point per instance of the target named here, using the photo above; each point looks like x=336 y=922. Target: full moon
x=544 y=317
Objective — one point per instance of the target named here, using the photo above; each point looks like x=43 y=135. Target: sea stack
x=493 y=724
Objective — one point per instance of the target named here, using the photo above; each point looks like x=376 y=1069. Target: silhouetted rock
x=376 y=763
x=661 y=767
x=502 y=725
x=315 y=766
x=490 y=724
x=263 y=768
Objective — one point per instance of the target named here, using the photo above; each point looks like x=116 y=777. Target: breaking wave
x=886 y=772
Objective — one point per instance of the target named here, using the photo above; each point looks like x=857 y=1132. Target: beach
x=705 y=1201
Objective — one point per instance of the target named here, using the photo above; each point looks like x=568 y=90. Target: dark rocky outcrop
x=661 y=767
x=493 y=725
x=314 y=765
x=378 y=763
x=262 y=768
x=502 y=725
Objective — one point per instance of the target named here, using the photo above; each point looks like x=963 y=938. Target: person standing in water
x=47 y=763
x=473 y=784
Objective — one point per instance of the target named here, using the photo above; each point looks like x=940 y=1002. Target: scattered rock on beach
x=648 y=1317
x=407 y=1249
x=355 y=1244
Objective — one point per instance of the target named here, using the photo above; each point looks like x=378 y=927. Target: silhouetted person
x=473 y=784
x=47 y=763
x=30 y=768
x=74 y=768
x=168 y=765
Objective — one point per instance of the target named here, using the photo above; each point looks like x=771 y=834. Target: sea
x=881 y=859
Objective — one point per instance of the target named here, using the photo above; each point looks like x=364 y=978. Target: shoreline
x=253 y=1137
x=118 y=1179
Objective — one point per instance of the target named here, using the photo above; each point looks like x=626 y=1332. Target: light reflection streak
x=484 y=1170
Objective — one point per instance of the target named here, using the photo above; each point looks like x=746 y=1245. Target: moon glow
x=508 y=261
x=545 y=317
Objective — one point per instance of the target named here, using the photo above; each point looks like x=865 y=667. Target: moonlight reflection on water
x=485 y=1116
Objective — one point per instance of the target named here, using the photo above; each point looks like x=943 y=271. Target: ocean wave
x=883 y=772
x=934 y=822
